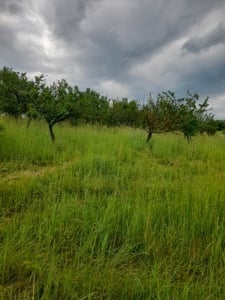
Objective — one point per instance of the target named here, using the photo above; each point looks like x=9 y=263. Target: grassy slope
x=102 y=215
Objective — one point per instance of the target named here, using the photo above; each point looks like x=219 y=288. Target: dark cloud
x=11 y=6
x=213 y=38
x=64 y=17
x=209 y=79
x=121 y=48
x=20 y=33
x=113 y=36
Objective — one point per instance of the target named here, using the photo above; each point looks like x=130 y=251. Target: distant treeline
x=60 y=101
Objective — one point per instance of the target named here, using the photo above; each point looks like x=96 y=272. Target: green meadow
x=100 y=214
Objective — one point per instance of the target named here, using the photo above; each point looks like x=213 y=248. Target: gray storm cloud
x=198 y=43
x=129 y=47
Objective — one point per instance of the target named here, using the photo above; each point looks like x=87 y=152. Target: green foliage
x=92 y=108
x=51 y=102
x=123 y=112
x=220 y=124
x=15 y=92
x=209 y=126
x=192 y=115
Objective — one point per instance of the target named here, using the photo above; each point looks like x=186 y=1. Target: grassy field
x=103 y=215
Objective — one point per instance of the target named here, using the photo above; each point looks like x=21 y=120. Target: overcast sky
x=120 y=48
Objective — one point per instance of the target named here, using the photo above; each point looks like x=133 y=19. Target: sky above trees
x=120 y=48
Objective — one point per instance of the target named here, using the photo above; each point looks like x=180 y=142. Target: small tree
x=55 y=104
x=169 y=114
x=192 y=115
x=160 y=115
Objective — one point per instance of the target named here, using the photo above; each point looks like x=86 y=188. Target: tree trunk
x=187 y=137
x=28 y=122
x=149 y=136
x=52 y=135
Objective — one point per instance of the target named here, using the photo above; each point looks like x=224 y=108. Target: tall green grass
x=103 y=215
